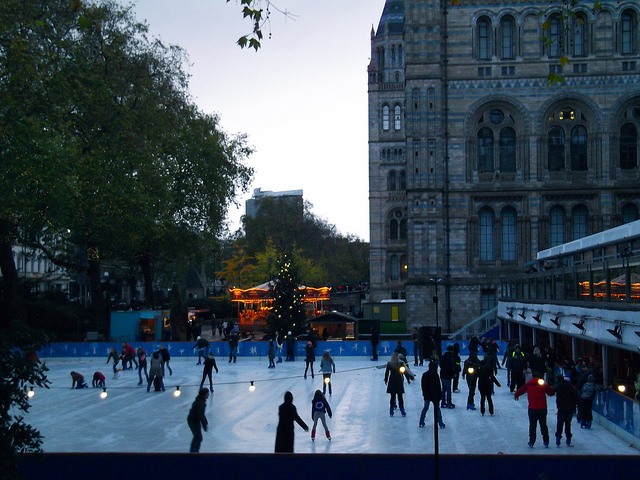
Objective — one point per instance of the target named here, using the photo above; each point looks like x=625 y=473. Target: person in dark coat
x=456 y=367
x=506 y=360
x=417 y=346
x=202 y=344
x=518 y=366
x=394 y=379
x=284 y=433
x=207 y=371
x=375 y=340
x=166 y=358
x=400 y=350
x=116 y=359
x=309 y=359
x=142 y=364
x=197 y=418
x=431 y=392
x=474 y=343
x=233 y=346
x=447 y=371
x=470 y=373
x=486 y=379
x=566 y=401
x=99 y=380
x=291 y=346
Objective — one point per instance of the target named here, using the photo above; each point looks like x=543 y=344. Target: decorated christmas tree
x=288 y=309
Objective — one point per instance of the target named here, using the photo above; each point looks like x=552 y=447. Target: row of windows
x=558 y=234
x=562 y=39
x=391 y=155
x=396 y=56
x=397 y=180
x=386 y=117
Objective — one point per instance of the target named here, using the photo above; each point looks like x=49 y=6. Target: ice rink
x=241 y=421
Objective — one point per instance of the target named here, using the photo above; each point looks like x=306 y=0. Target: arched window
x=578 y=148
x=555 y=37
x=628 y=146
x=629 y=213
x=484 y=39
x=580 y=220
x=485 y=150
x=391 y=180
x=385 y=117
x=403 y=229
x=578 y=30
x=397 y=117
x=507 y=150
x=395 y=267
x=509 y=239
x=556 y=149
x=403 y=180
x=506 y=39
x=627 y=40
x=487 y=239
x=557 y=221
x=393 y=229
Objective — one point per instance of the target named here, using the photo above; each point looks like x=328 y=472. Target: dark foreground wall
x=157 y=466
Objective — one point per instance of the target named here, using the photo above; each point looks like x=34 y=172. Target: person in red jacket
x=128 y=355
x=537 y=390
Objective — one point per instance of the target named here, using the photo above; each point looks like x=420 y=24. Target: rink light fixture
x=252 y=387
x=177 y=392
x=622 y=388
x=30 y=392
x=540 y=381
x=327 y=380
x=470 y=370
x=402 y=369
x=104 y=393
x=555 y=321
x=522 y=315
x=538 y=318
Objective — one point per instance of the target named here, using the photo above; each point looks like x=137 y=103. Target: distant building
x=292 y=196
x=475 y=163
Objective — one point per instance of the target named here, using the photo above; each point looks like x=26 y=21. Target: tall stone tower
x=475 y=162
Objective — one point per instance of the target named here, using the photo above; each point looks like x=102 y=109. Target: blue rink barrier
x=245 y=349
x=107 y=466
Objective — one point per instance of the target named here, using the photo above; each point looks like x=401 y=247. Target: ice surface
x=240 y=421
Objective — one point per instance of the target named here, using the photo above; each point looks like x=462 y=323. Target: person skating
x=456 y=367
x=234 y=339
x=518 y=366
x=447 y=371
x=291 y=346
x=566 y=401
x=116 y=359
x=155 y=372
x=320 y=406
x=417 y=347
x=587 y=395
x=77 y=381
x=128 y=355
x=98 y=380
x=400 y=350
x=431 y=392
x=271 y=354
x=197 y=419
x=288 y=414
x=309 y=359
x=142 y=364
x=327 y=366
x=202 y=345
x=470 y=373
x=394 y=379
x=166 y=358
x=486 y=380
x=537 y=390
x=207 y=370
x=375 y=340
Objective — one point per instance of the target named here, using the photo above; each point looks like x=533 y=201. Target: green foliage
x=19 y=368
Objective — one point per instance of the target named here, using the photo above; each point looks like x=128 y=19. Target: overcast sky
x=301 y=99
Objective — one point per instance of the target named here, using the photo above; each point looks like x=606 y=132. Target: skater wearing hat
x=310 y=359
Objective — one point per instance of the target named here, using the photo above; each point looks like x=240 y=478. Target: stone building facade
x=475 y=162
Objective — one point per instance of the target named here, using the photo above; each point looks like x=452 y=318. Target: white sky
x=301 y=99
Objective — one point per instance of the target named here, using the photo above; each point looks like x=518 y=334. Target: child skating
x=320 y=406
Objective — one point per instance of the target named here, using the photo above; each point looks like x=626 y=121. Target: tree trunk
x=13 y=304
x=144 y=260
x=99 y=307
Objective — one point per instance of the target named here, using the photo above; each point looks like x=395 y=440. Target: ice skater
x=77 y=381
x=271 y=354
x=202 y=345
x=155 y=373
x=327 y=366
x=566 y=401
x=585 y=407
x=142 y=364
x=309 y=359
x=291 y=346
x=284 y=433
x=394 y=379
x=116 y=359
x=486 y=380
x=470 y=373
x=431 y=392
x=207 y=371
x=320 y=406
x=197 y=419
x=166 y=358
x=128 y=355
x=233 y=346
x=536 y=390
x=98 y=380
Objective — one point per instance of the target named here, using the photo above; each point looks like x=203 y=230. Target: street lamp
x=436 y=281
